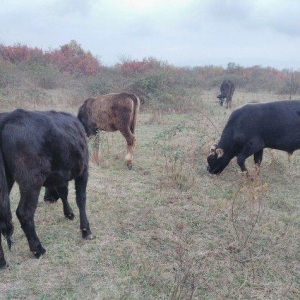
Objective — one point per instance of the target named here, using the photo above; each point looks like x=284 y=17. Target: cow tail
x=6 y=225
x=136 y=109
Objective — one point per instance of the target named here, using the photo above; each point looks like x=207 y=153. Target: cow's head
x=217 y=160
x=85 y=116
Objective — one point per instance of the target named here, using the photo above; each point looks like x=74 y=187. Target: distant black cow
x=227 y=89
x=40 y=149
x=254 y=127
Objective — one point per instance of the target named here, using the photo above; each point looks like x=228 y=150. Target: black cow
x=253 y=127
x=40 y=149
x=227 y=89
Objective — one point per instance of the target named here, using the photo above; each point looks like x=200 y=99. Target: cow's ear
x=220 y=152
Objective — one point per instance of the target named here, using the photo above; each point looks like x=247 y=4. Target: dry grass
x=166 y=229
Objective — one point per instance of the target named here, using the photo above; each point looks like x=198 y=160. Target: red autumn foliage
x=70 y=58
x=20 y=53
x=134 y=67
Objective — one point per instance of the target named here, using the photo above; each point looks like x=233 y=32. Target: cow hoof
x=87 y=235
x=40 y=252
x=50 y=200
x=70 y=216
x=4 y=265
x=129 y=166
x=90 y=237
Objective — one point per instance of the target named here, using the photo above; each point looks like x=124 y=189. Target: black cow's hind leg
x=80 y=187
x=3 y=263
x=10 y=183
x=25 y=214
x=51 y=194
x=63 y=194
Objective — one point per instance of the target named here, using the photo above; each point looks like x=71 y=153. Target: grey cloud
x=284 y=18
x=193 y=32
x=276 y=15
x=81 y=7
x=230 y=10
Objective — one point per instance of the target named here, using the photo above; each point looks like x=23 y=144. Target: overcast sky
x=182 y=32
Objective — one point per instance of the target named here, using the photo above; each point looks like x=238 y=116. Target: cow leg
x=130 y=139
x=252 y=147
x=10 y=183
x=25 y=214
x=52 y=194
x=228 y=102
x=3 y=263
x=129 y=156
x=63 y=192
x=258 y=159
x=80 y=187
x=241 y=162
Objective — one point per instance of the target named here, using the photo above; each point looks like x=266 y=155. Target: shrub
x=72 y=59
x=135 y=67
x=290 y=84
x=45 y=76
x=8 y=74
x=20 y=53
x=103 y=83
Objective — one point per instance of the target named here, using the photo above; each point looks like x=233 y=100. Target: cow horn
x=213 y=149
x=220 y=152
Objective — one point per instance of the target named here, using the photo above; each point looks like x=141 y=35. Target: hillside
x=166 y=229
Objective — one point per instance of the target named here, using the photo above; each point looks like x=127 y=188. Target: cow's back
x=276 y=123
x=107 y=110
x=49 y=141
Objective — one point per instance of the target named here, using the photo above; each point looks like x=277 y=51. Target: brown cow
x=227 y=89
x=110 y=113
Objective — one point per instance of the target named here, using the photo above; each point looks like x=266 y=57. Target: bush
x=130 y=67
x=8 y=75
x=45 y=76
x=20 y=53
x=103 y=83
x=72 y=59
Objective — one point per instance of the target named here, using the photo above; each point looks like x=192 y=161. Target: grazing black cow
x=256 y=126
x=227 y=89
x=40 y=149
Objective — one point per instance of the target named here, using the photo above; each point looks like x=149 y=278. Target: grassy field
x=167 y=229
